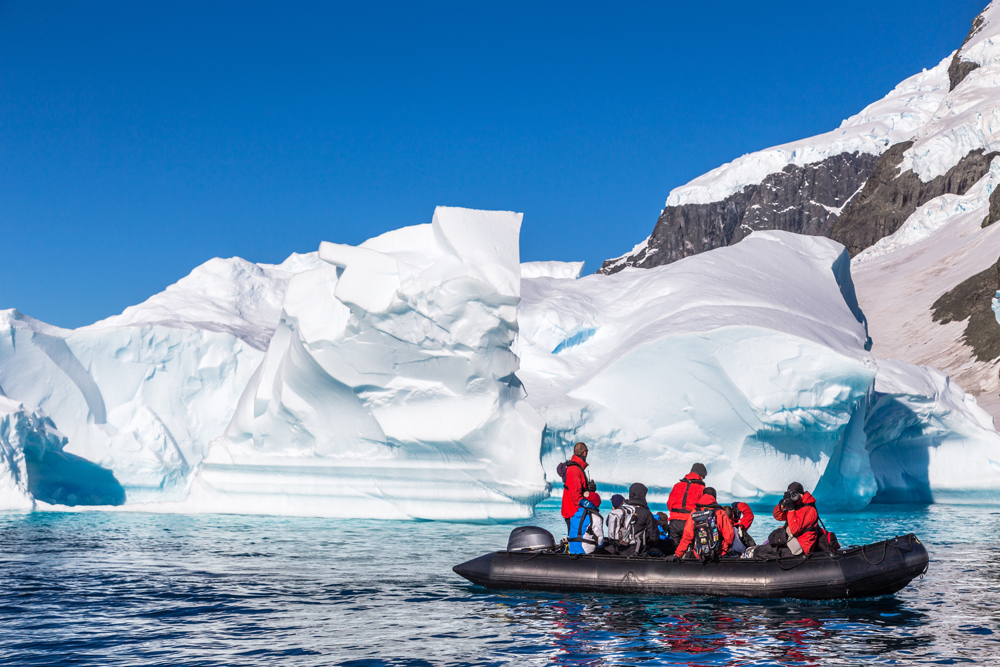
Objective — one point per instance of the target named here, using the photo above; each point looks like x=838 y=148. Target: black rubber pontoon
x=881 y=568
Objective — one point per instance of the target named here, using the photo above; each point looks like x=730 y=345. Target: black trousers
x=676 y=529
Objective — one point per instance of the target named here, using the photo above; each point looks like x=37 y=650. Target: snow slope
x=389 y=387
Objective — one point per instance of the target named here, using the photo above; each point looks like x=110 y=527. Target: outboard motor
x=530 y=538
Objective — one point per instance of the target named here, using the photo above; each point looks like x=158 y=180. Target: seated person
x=586 y=527
x=801 y=530
x=639 y=532
x=742 y=517
x=708 y=532
x=614 y=522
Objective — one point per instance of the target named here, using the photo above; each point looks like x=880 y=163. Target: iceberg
x=142 y=394
x=751 y=359
x=388 y=389
x=426 y=374
x=928 y=440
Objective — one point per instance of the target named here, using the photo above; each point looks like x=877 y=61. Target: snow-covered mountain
x=908 y=185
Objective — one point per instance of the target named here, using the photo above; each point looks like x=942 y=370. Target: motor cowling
x=530 y=538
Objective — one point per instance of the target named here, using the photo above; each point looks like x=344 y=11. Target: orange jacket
x=725 y=532
x=803 y=522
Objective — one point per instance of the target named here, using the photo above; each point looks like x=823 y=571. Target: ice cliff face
x=388 y=389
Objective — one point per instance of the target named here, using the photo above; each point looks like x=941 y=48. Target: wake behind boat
x=881 y=568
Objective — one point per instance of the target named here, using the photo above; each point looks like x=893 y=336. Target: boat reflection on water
x=587 y=630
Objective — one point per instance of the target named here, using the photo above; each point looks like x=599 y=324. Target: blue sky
x=140 y=139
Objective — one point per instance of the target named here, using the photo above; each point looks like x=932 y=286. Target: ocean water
x=112 y=588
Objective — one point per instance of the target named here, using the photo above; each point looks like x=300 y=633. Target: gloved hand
x=591 y=486
x=787 y=504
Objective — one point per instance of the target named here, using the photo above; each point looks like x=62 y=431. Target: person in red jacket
x=798 y=510
x=742 y=517
x=577 y=484
x=682 y=499
x=722 y=522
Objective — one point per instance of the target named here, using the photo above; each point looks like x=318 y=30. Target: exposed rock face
x=889 y=197
x=805 y=200
x=959 y=69
x=994 y=213
x=972 y=300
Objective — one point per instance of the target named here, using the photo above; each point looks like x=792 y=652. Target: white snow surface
x=553 y=269
x=945 y=126
x=388 y=389
x=897 y=117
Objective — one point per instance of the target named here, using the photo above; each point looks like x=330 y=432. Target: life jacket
x=680 y=502
x=581 y=529
x=706 y=542
x=627 y=534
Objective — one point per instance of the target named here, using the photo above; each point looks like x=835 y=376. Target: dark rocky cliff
x=797 y=199
x=853 y=198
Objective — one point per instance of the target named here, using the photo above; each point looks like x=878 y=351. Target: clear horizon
x=142 y=141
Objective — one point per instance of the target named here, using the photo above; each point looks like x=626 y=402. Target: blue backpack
x=581 y=528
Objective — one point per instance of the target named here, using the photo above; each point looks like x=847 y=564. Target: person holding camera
x=798 y=510
x=576 y=482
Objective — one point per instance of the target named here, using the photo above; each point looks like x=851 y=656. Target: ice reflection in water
x=115 y=588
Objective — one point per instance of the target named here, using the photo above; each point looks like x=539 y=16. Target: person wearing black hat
x=682 y=499
x=721 y=535
x=801 y=531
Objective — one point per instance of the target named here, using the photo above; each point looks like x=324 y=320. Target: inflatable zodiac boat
x=530 y=563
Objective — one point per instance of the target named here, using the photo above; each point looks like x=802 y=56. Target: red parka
x=575 y=485
x=746 y=516
x=725 y=532
x=684 y=496
x=803 y=522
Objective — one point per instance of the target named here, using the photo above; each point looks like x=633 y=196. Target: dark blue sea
x=97 y=588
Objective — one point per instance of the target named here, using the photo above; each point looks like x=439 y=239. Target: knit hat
x=700 y=469
x=795 y=487
x=709 y=491
x=580 y=449
x=617 y=500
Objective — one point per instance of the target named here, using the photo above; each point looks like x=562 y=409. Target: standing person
x=798 y=510
x=682 y=499
x=576 y=482
x=708 y=532
x=586 y=527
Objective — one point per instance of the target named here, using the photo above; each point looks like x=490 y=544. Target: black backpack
x=705 y=544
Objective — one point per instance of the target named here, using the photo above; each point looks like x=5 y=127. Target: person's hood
x=637 y=493
x=694 y=477
x=807 y=498
x=582 y=463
